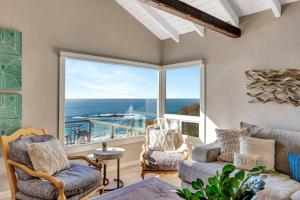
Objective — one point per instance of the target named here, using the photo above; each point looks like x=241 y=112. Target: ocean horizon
x=127 y=112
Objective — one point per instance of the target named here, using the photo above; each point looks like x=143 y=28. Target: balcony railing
x=84 y=131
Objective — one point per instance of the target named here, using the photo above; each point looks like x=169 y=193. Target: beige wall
x=266 y=43
x=100 y=27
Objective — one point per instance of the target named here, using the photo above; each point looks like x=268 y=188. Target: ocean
x=126 y=112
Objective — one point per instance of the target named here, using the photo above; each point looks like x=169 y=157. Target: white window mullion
x=161 y=93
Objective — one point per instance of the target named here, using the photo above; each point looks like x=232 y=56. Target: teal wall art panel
x=10 y=81
x=10 y=113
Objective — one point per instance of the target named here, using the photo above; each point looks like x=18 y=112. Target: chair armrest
x=143 y=153
x=38 y=174
x=206 y=153
x=86 y=159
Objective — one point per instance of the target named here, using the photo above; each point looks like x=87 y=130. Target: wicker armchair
x=61 y=185
x=162 y=162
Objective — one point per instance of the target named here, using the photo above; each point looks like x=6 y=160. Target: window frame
x=185 y=118
x=161 y=73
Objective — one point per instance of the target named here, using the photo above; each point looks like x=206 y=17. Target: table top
x=149 y=189
x=110 y=154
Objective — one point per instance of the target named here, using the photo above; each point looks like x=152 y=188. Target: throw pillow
x=294 y=163
x=161 y=140
x=246 y=162
x=19 y=153
x=229 y=142
x=48 y=157
x=262 y=147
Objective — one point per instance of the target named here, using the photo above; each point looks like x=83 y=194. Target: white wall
x=266 y=43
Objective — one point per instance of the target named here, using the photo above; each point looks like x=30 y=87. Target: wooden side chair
x=163 y=162
x=77 y=182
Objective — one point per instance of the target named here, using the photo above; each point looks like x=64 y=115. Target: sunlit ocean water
x=129 y=112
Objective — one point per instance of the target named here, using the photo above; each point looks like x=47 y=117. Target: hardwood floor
x=133 y=174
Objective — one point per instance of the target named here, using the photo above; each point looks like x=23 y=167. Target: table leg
x=118 y=173
x=105 y=180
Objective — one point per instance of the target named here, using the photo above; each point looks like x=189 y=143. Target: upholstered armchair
x=77 y=182
x=163 y=162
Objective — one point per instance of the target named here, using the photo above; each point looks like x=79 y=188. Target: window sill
x=78 y=148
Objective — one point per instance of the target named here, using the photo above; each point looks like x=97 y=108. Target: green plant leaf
x=180 y=193
x=187 y=193
x=213 y=181
x=196 y=185
x=201 y=183
x=228 y=169
x=212 y=190
x=199 y=194
x=240 y=175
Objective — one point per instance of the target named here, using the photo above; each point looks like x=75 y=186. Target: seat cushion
x=296 y=196
x=20 y=154
x=278 y=187
x=159 y=160
x=78 y=179
x=190 y=170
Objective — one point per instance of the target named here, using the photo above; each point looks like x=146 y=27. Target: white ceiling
x=165 y=25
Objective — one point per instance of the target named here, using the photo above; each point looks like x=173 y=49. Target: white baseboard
x=5 y=195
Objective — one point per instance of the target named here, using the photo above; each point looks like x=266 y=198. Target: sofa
x=204 y=163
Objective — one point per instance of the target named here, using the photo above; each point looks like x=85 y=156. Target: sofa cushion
x=78 y=179
x=296 y=196
x=20 y=154
x=159 y=160
x=278 y=187
x=190 y=170
x=284 y=140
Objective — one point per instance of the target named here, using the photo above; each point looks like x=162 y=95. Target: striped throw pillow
x=294 y=163
x=229 y=142
x=48 y=157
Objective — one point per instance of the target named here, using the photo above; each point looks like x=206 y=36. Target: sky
x=97 y=80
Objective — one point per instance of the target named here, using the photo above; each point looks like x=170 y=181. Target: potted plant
x=104 y=146
x=225 y=186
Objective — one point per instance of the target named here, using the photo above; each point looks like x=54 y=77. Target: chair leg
x=143 y=175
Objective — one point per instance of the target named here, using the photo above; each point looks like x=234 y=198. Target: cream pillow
x=246 y=162
x=263 y=147
x=161 y=140
x=229 y=142
x=48 y=157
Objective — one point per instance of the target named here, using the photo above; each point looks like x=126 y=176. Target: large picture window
x=107 y=99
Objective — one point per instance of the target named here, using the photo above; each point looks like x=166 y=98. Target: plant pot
x=104 y=149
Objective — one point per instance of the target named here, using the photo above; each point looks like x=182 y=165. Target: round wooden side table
x=112 y=153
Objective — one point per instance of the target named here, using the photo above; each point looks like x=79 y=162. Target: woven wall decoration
x=10 y=81
x=280 y=86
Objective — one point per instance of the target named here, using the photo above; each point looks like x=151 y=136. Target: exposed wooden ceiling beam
x=230 y=13
x=275 y=6
x=158 y=20
x=190 y=13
